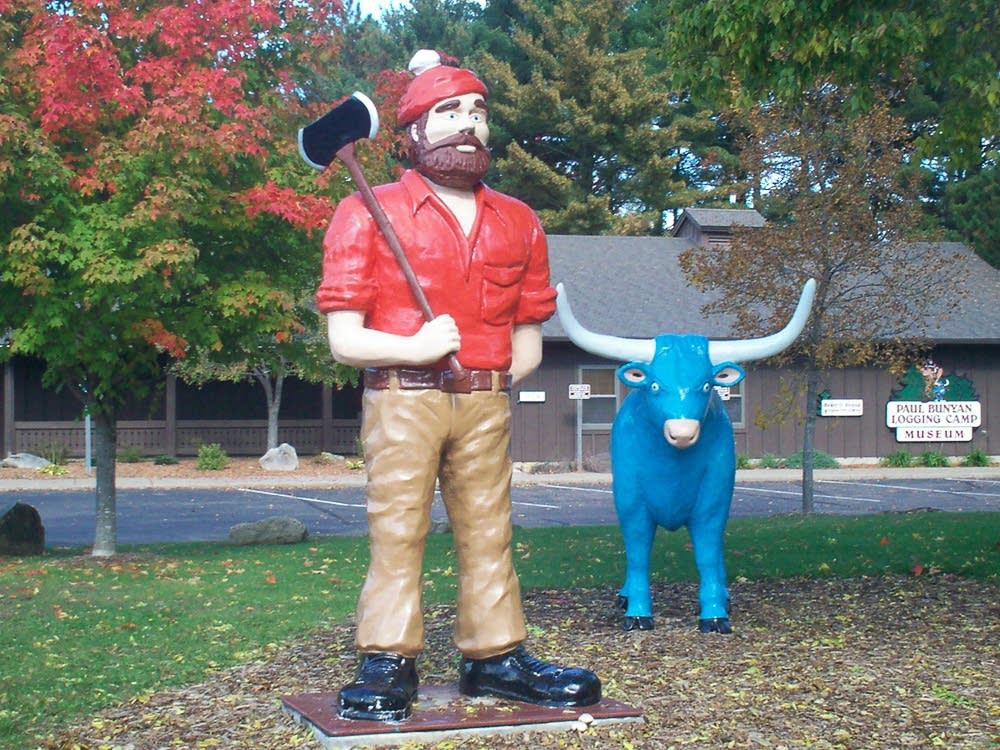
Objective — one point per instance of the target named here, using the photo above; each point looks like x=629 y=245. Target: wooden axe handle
x=347 y=155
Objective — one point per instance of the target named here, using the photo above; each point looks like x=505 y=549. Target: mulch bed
x=866 y=663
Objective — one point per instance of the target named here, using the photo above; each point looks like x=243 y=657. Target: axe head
x=349 y=121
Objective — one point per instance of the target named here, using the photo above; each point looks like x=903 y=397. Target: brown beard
x=443 y=164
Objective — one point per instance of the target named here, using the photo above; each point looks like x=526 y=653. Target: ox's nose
x=682 y=433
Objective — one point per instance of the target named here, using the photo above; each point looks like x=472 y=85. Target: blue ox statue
x=673 y=458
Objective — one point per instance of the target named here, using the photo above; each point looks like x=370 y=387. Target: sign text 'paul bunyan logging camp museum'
x=562 y=413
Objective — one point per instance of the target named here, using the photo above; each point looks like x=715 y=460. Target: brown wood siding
x=545 y=432
x=233 y=416
x=237 y=437
x=868 y=436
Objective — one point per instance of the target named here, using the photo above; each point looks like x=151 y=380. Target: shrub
x=899 y=460
x=743 y=461
x=821 y=460
x=130 y=455
x=976 y=457
x=933 y=459
x=54 y=453
x=53 y=470
x=211 y=457
x=165 y=460
x=770 y=461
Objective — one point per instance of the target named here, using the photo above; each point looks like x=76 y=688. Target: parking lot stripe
x=918 y=489
x=798 y=493
x=577 y=489
x=304 y=499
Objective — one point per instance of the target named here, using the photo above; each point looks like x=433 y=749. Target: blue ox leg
x=713 y=596
x=638 y=530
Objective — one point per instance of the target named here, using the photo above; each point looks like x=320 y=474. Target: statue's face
x=450 y=142
x=461 y=114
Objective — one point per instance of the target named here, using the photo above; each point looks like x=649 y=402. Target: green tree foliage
x=455 y=27
x=143 y=151
x=594 y=137
x=939 y=62
x=971 y=209
x=839 y=213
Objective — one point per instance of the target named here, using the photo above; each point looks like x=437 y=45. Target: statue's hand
x=438 y=337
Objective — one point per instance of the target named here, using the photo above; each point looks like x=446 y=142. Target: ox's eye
x=706 y=388
x=654 y=387
x=634 y=375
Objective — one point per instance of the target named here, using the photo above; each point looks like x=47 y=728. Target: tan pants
x=412 y=438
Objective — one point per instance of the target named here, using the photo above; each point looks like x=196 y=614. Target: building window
x=732 y=400
x=598 y=411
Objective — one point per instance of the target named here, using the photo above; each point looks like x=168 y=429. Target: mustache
x=459 y=139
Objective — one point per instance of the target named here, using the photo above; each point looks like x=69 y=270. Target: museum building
x=623 y=286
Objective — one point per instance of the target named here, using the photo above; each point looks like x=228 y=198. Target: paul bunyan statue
x=436 y=399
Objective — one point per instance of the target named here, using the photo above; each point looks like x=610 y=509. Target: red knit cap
x=433 y=83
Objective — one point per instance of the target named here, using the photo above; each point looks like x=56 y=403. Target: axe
x=333 y=136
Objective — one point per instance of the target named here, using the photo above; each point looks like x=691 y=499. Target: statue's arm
x=351 y=343
x=527 y=350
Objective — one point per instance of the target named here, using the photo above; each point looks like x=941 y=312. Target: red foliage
x=168 y=76
x=307 y=212
x=78 y=76
x=153 y=332
x=389 y=88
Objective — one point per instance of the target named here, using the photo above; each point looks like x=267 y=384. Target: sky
x=375 y=7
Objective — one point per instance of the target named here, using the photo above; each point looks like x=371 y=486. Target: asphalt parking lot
x=176 y=514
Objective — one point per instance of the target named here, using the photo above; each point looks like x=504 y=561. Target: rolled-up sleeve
x=538 y=299
x=348 y=281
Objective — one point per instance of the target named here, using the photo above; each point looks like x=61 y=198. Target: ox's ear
x=634 y=374
x=727 y=373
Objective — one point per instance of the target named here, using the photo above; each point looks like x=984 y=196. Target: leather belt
x=380 y=378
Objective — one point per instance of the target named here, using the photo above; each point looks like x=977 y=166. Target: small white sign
x=933 y=434
x=842 y=407
x=723 y=391
x=531 y=397
x=579 y=391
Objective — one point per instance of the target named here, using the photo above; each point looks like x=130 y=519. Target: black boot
x=383 y=690
x=521 y=677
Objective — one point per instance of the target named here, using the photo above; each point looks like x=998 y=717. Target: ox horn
x=603 y=345
x=749 y=349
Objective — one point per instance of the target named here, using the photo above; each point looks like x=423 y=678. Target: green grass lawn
x=79 y=633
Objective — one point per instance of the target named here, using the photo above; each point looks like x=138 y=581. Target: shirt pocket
x=501 y=293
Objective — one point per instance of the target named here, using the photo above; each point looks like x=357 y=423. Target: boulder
x=282 y=458
x=21 y=531
x=24 y=461
x=277 y=530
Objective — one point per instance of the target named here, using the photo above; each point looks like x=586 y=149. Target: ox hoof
x=621 y=602
x=637 y=623
x=715 y=625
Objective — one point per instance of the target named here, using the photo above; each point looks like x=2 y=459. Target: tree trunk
x=105 y=449
x=808 y=434
x=272 y=393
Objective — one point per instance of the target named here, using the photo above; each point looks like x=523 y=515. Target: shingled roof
x=633 y=286
x=719 y=218
x=629 y=286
